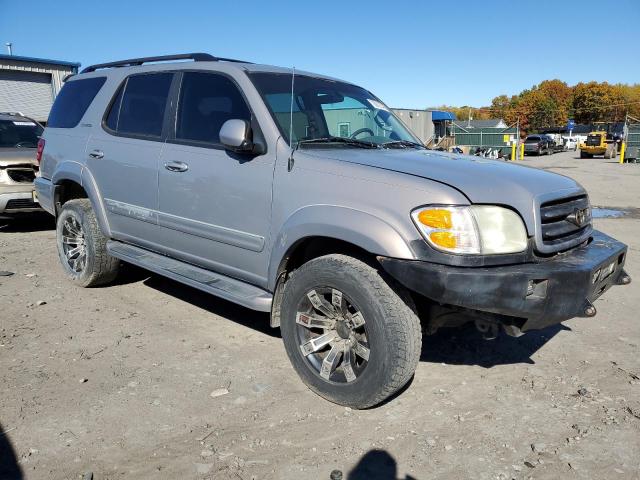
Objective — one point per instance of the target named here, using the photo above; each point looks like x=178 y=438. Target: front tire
x=82 y=248
x=352 y=337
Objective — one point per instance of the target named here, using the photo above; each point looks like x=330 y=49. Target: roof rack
x=196 y=57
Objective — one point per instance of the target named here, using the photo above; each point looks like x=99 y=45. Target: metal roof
x=493 y=123
x=39 y=60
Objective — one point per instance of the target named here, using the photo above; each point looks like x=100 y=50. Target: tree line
x=552 y=103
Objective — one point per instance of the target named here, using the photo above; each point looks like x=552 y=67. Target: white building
x=29 y=85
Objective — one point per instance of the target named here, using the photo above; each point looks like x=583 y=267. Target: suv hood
x=481 y=180
x=17 y=156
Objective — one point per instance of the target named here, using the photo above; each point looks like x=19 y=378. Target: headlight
x=476 y=230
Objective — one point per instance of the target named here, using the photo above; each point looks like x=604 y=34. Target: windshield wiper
x=402 y=144
x=346 y=141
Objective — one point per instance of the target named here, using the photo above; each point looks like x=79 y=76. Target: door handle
x=97 y=154
x=176 y=166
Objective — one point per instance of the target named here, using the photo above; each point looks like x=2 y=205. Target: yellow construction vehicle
x=599 y=142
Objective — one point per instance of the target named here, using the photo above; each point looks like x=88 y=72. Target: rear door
x=123 y=155
x=214 y=205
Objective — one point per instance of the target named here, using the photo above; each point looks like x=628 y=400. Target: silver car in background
x=19 y=137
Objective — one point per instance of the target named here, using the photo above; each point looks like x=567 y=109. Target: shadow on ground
x=374 y=465
x=28 y=223
x=9 y=468
x=466 y=346
x=455 y=346
x=258 y=321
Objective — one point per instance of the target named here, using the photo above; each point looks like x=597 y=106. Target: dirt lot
x=118 y=381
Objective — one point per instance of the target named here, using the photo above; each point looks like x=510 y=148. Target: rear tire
x=389 y=329
x=82 y=248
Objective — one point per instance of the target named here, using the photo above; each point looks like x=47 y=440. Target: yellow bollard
x=522 y=151
x=622 y=152
x=513 y=152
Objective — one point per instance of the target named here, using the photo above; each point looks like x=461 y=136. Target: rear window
x=532 y=140
x=72 y=102
x=139 y=106
x=19 y=133
x=593 y=140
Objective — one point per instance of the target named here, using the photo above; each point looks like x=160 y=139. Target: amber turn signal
x=444 y=239
x=436 y=218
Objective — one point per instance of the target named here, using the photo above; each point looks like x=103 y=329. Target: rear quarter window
x=73 y=101
x=138 y=108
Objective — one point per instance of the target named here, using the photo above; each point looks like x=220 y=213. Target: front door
x=214 y=205
x=123 y=157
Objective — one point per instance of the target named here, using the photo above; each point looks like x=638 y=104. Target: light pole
x=9 y=45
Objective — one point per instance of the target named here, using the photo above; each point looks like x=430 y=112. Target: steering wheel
x=362 y=130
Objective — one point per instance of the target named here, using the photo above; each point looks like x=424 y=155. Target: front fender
x=359 y=228
x=78 y=173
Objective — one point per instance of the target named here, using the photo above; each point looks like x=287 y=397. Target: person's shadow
x=376 y=465
x=9 y=468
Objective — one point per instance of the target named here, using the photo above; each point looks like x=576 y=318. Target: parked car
x=18 y=141
x=214 y=174
x=538 y=145
x=570 y=143
x=556 y=144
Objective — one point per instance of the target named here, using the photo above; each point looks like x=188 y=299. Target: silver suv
x=304 y=196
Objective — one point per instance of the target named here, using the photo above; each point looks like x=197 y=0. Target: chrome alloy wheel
x=73 y=244
x=332 y=335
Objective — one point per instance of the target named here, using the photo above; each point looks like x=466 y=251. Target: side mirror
x=236 y=135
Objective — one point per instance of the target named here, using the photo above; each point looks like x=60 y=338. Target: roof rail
x=196 y=57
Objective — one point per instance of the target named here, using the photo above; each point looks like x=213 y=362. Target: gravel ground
x=151 y=379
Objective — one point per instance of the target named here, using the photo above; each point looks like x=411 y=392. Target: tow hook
x=624 y=279
x=589 y=309
x=489 y=330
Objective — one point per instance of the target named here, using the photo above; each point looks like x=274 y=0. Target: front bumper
x=17 y=200
x=541 y=294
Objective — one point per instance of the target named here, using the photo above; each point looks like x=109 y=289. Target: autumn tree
x=597 y=102
x=552 y=103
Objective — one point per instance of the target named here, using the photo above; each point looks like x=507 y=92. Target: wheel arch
x=316 y=231
x=339 y=227
x=72 y=180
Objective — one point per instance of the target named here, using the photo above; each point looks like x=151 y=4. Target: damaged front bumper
x=538 y=294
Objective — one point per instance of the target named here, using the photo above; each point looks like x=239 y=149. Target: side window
x=207 y=101
x=140 y=105
x=73 y=101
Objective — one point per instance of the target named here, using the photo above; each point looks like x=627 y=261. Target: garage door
x=26 y=92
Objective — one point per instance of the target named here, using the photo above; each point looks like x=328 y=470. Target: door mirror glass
x=235 y=135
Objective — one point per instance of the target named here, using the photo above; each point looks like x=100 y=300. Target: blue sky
x=411 y=54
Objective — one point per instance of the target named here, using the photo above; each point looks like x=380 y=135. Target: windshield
x=19 y=133
x=325 y=108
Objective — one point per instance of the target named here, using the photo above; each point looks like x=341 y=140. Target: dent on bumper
x=542 y=293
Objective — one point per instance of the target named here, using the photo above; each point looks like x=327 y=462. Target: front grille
x=22 y=175
x=560 y=221
x=20 y=203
